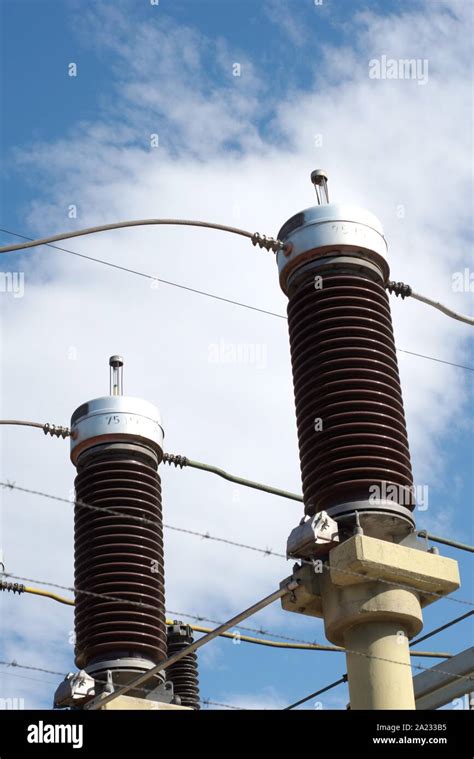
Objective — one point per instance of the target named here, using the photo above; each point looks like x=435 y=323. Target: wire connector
x=173 y=458
x=269 y=243
x=13 y=587
x=398 y=288
x=56 y=430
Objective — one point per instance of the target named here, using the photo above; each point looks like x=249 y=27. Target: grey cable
x=211 y=295
x=183 y=461
x=444 y=309
x=445 y=541
x=54 y=430
x=405 y=291
x=257 y=239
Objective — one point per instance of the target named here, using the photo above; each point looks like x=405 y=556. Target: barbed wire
x=206 y=535
x=207 y=701
x=373 y=657
x=13 y=663
x=294 y=643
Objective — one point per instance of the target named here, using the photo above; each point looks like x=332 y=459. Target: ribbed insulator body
x=350 y=417
x=183 y=674
x=119 y=556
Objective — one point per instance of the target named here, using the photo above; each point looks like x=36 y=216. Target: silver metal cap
x=116 y=418
x=331 y=230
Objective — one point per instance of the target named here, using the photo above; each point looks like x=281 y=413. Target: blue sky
x=237 y=150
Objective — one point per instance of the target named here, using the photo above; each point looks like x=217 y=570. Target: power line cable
x=54 y=430
x=441 y=628
x=223 y=627
x=400 y=288
x=16 y=588
x=207 y=294
x=206 y=701
x=343 y=679
x=144 y=275
x=269 y=243
x=183 y=461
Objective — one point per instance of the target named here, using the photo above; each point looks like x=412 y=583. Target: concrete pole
x=370 y=594
x=378 y=667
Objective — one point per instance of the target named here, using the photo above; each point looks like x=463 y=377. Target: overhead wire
x=256 y=238
x=399 y=288
x=183 y=461
x=406 y=291
x=285 y=588
x=341 y=680
x=202 y=292
x=226 y=626
x=430 y=634
x=442 y=628
x=208 y=536
x=292 y=645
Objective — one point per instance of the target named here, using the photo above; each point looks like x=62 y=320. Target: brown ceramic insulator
x=119 y=556
x=184 y=673
x=345 y=374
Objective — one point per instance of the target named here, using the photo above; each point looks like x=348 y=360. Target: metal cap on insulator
x=116 y=418
x=328 y=232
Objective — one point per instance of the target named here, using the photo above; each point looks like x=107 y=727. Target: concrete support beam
x=370 y=595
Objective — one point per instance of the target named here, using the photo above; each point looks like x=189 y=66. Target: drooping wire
x=183 y=461
x=269 y=243
x=208 y=295
x=400 y=288
x=300 y=646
